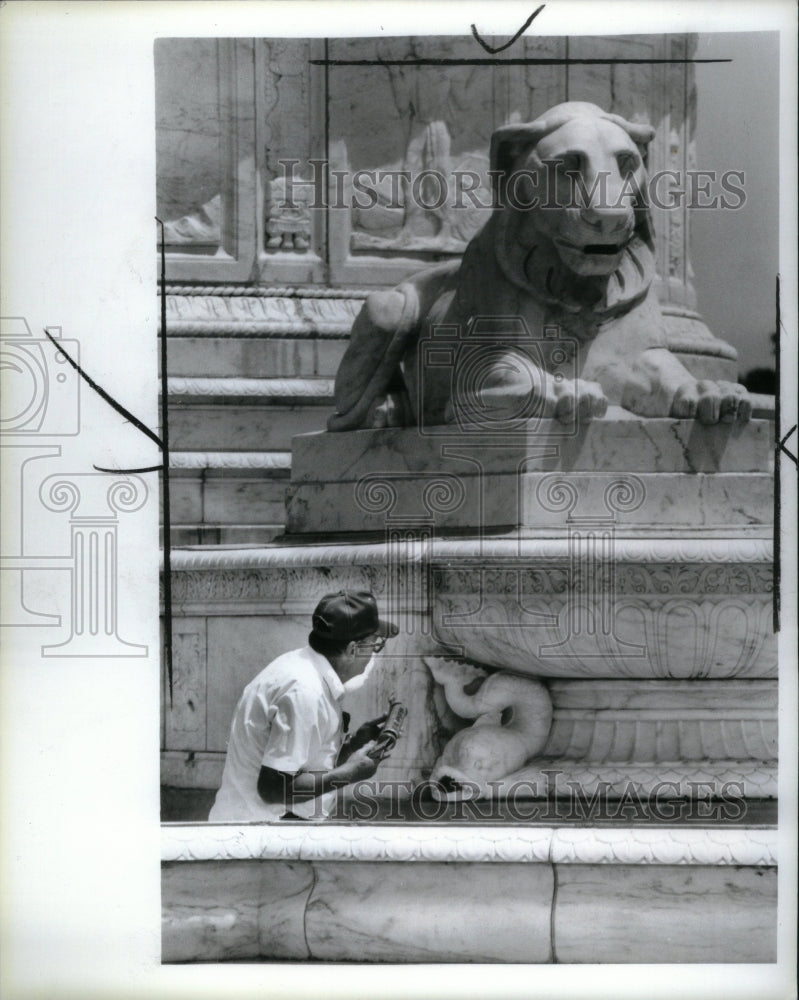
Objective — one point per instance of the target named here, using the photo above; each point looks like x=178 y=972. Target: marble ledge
x=551 y=845
x=180 y=387
x=684 y=546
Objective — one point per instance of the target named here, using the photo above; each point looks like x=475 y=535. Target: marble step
x=245 y=414
x=234 y=534
x=227 y=497
x=255 y=357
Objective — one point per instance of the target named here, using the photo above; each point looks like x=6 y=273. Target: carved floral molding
x=261 y=315
x=677 y=549
x=593 y=845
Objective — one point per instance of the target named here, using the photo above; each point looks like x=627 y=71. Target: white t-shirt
x=289 y=718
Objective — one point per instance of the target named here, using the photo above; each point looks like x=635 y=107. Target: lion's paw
x=712 y=402
x=579 y=400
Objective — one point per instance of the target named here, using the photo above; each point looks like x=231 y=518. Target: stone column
x=704 y=354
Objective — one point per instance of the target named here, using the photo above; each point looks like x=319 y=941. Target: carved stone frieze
x=632 y=738
x=223 y=590
x=512 y=716
x=226 y=586
x=642 y=783
x=626 y=578
x=698 y=578
x=635 y=721
x=525 y=609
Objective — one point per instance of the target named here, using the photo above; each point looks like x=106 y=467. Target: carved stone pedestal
x=622 y=473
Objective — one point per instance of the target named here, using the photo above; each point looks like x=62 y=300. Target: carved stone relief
x=512 y=716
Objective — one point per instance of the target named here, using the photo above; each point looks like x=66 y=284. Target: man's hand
x=360 y=765
x=366 y=733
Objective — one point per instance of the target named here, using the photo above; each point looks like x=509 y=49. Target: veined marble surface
x=635 y=914
x=431 y=913
x=251 y=909
x=478 y=501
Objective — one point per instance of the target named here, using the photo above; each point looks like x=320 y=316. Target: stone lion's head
x=571 y=191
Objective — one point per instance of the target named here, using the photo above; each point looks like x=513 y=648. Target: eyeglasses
x=374 y=645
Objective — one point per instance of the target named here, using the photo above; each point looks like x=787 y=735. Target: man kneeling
x=286 y=753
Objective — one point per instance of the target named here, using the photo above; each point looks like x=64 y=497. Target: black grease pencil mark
x=326 y=166
x=784 y=450
x=165 y=475
x=507 y=45
x=103 y=394
x=777 y=519
x=129 y=472
x=544 y=61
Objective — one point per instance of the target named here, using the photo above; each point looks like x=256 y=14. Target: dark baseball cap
x=350 y=615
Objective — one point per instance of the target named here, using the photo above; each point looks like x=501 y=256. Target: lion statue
x=568 y=247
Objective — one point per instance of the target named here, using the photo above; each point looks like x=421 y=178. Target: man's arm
x=284 y=789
